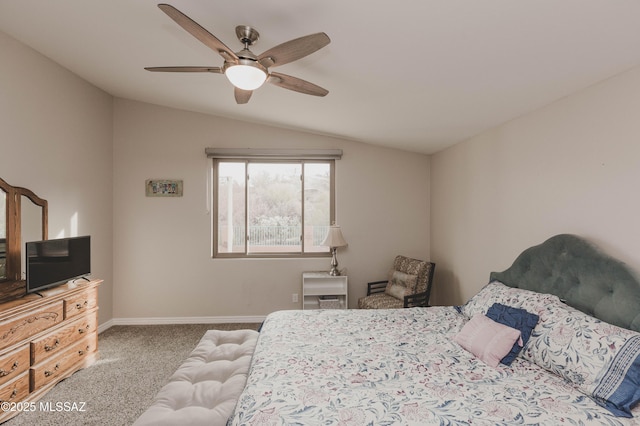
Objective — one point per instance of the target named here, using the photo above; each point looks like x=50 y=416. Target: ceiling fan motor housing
x=247 y=36
x=251 y=62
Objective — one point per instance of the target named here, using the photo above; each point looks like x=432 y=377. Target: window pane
x=231 y=207
x=317 y=203
x=275 y=208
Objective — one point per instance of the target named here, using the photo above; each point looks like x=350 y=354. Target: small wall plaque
x=163 y=188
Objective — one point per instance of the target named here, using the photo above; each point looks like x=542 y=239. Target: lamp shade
x=246 y=76
x=334 y=237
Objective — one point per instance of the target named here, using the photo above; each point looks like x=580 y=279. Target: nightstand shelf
x=320 y=285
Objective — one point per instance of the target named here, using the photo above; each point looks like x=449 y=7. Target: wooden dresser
x=44 y=340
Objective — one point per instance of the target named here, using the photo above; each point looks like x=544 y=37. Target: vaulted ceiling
x=418 y=75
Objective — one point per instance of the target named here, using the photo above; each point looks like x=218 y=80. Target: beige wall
x=89 y=156
x=572 y=167
x=56 y=134
x=162 y=263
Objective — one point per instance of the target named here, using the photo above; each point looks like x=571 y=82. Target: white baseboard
x=179 y=320
x=105 y=326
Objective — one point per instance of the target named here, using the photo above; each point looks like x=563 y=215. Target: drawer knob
x=83 y=330
x=82 y=305
x=81 y=352
x=4 y=373
x=50 y=348
x=48 y=373
x=13 y=395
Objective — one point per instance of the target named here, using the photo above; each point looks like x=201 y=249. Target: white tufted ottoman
x=206 y=387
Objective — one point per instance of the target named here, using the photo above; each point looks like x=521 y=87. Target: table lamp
x=334 y=240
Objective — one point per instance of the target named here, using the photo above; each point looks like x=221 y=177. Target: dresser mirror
x=25 y=219
x=3 y=235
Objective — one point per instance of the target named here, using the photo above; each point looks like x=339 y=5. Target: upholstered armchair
x=409 y=284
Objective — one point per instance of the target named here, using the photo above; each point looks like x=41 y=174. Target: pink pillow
x=488 y=340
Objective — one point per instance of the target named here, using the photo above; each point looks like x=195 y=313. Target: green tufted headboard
x=581 y=275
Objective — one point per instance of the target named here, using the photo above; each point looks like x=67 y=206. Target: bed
x=408 y=366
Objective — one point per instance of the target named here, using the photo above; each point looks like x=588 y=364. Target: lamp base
x=334 y=272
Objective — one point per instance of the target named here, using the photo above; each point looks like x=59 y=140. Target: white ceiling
x=418 y=75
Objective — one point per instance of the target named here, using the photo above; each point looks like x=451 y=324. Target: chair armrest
x=376 y=287
x=417 y=300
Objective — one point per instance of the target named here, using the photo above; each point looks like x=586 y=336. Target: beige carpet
x=135 y=362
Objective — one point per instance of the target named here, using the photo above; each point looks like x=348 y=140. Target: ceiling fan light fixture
x=246 y=75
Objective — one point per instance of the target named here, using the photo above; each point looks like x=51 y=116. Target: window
x=266 y=207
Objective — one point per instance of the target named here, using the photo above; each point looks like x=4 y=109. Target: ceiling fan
x=245 y=70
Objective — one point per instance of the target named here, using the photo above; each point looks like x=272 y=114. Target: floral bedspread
x=397 y=366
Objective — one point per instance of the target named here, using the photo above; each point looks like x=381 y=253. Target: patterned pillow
x=401 y=284
x=601 y=359
x=516 y=318
x=488 y=340
x=496 y=292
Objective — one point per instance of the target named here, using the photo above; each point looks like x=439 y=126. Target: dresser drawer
x=13 y=363
x=80 y=303
x=60 y=339
x=16 y=390
x=18 y=328
x=70 y=359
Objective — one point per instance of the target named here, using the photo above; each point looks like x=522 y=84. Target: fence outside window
x=271 y=236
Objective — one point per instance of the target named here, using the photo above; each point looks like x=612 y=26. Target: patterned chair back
x=424 y=271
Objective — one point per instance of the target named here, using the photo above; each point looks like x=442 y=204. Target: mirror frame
x=13 y=212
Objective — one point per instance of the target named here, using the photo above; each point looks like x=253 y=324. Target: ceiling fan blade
x=293 y=50
x=242 y=96
x=296 y=84
x=216 y=70
x=198 y=32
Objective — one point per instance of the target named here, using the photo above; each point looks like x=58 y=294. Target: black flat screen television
x=54 y=262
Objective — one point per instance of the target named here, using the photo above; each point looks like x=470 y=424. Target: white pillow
x=496 y=292
x=601 y=359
